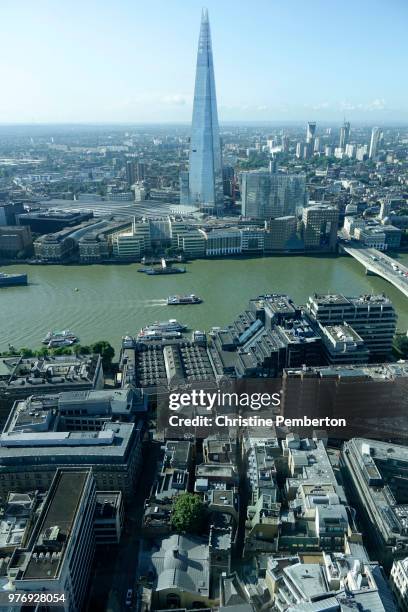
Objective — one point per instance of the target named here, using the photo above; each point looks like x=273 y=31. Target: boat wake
x=156 y=302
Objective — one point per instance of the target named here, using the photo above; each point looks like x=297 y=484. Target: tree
x=42 y=352
x=106 y=351
x=401 y=345
x=62 y=350
x=81 y=349
x=189 y=513
x=26 y=352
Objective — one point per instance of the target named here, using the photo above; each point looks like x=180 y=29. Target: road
x=115 y=569
x=380 y=264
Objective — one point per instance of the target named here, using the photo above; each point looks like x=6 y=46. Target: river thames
x=108 y=301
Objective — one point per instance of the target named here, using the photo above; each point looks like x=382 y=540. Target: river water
x=115 y=300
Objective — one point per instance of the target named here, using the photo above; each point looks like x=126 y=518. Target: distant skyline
x=133 y=62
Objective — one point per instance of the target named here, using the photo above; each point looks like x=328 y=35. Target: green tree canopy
x=401 y=344
x=189 y=513
x=105 y=350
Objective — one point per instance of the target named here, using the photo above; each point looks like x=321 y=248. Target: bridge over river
x=376 y=262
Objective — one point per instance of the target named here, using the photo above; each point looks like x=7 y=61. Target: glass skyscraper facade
x=268 y=195
x=205 y=170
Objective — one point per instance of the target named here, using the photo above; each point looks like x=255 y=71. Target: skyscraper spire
x=205 y=172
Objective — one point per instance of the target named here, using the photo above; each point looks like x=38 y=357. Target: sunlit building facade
x=205 y=170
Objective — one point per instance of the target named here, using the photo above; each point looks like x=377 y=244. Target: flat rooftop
x=56 y=523
x=22 y=374
x=341 y=300
x=379 y=371
x=109 y=445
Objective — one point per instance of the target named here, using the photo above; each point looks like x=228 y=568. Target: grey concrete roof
x=182 y=563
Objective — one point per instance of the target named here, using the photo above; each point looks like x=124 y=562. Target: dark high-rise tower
x=205 y=171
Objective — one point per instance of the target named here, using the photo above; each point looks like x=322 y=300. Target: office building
x=350 y=151
x=130 y=172
x=60 y=246
x=132 y=242
x=374 y=142
x=399 y=583
x=373 y=317
x=96 y=244
x=223 y=242
x=127 y=246
x=264 y=339
x=9 y=213
x=268 y=195
x=17 y=519
x=193 y=243
x=228 y=178
x=327 y=582
x=86 y=410
x=173 y=478
x=376 y=477
x=41 y=434
x=205 y=164
x=342 y=344
x=50 y=221
x=361 y=152
x=372 y=398
x=282 y=234
x=59 y=555
x=15 y=241
x=184 y=188
x=114 y=195
x=21 y=377
x=310 y=132
x=109 y=517
x=285 y=143
x=320 y=224
x=93 y=248
x=393 y=236
x=141 y=192
x=252 y=240
x=344 y=135
x=141 y=170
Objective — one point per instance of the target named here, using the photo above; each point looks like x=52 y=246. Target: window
x=173 y=600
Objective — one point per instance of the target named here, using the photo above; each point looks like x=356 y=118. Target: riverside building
x=320 y=224
x=372 y=317
x=20 y=377
x=267 y=195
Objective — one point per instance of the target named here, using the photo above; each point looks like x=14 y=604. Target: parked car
x=129 y=597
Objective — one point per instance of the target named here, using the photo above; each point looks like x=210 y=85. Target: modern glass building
x=205 y=172
x=268 y=195
x=375 y=141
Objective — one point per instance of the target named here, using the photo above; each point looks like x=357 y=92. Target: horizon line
x=401 y=121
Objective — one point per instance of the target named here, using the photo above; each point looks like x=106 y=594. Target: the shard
x=205 y=170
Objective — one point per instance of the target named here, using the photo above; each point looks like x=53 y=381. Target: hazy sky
x=134 y=60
